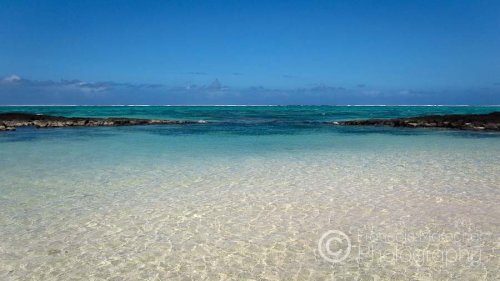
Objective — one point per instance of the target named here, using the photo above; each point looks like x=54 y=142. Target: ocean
x=249 y=192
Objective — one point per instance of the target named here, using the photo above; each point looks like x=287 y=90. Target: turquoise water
x=252 y=114
x=247 y=195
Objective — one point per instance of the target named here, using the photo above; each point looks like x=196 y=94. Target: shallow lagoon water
x=248 y=196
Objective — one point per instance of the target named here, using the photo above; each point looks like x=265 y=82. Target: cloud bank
x=15 y=90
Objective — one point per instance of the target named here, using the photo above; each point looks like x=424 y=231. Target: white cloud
x=15 y=90
x=12 y=78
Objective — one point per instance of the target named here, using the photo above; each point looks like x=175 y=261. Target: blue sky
x=247 y=52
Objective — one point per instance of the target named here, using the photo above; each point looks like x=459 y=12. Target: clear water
x=248 y=195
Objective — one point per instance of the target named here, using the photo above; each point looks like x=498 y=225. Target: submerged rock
x=10 y=121
x=478 y=122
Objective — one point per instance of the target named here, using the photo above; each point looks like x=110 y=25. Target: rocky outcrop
x=10 y=121
x=482 y=122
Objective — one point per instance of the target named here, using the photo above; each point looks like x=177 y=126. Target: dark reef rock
x=10 y=121
x=484 y=122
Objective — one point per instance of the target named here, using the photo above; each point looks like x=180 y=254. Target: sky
x=250 y=52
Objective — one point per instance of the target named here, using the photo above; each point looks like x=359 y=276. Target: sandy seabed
x=420 y=213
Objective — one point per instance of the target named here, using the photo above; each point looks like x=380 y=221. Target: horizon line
x=249 y=105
